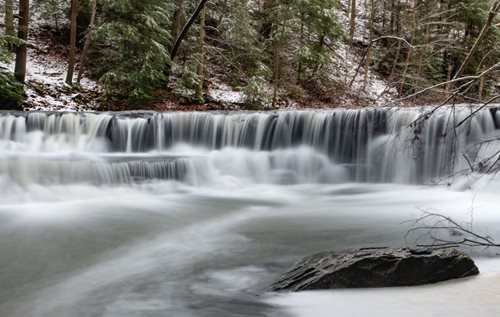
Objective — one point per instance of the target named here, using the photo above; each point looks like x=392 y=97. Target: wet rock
x=375 y=268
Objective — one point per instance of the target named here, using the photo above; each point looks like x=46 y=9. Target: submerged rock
x=375 y=268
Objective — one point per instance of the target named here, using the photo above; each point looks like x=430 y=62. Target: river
x=195 y=214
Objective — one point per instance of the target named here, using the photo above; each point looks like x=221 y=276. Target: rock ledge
x=380 y=267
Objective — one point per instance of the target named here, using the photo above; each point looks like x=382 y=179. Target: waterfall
x=340 y=145
x=195 y=213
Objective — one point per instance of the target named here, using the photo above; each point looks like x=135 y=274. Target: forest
x=257 y=55
x=249 y=158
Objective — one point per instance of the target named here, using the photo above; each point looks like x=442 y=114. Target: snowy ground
x=377 y=92
x=347 y=61
x=46 y=72
x=47 y=67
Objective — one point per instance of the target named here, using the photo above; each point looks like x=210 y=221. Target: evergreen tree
x=130 y=48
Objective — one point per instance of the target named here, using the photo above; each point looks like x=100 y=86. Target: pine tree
x=130 y=48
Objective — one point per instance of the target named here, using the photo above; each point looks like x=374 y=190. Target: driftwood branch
x=438 y=231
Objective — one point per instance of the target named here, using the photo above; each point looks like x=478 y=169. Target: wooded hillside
x=263 y=54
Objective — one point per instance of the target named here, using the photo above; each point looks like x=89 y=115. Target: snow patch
x=222 y=93
x=45 y=77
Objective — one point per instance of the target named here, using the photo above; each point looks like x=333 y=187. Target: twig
x=472 y=78
x=445 y=223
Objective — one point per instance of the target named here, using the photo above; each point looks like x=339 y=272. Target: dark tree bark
x=87 y=41
x=352 y=27
x=72 y=45
x=185 y=29
x=176 y=20
x=201 y=62
x=22 y=34
x=368 y=59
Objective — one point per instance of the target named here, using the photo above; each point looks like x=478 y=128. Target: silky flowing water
x=195 y=214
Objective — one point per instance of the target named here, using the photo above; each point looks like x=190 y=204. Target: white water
x=100 y=225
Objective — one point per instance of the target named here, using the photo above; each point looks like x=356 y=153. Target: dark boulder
x=375 y=268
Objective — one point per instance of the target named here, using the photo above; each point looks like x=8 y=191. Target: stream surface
x=95 y=223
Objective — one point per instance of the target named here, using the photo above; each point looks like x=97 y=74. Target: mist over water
x=195 y=214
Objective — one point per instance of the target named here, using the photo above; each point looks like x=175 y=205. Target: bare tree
x=72 y=45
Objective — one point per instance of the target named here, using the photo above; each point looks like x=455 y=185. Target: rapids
x=194 y=214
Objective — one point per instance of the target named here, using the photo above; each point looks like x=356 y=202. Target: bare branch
x=477 y=110
x=440 y=225
x=471 y=78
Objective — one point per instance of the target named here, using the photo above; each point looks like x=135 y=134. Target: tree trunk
x=369 y=52
x=22 y=34
x=422 y=57
x=185 y=29
x=481 y=88
x=448 y=78
x=352 y=28
x=176 y=20
x=301 y=43
x=395 y=62
x=87 y=41
x=409 y=57
x=55 y=15
x=395 y=25
x=9 y=18
x=278 y=47
x=201 y=62
x=72 y=45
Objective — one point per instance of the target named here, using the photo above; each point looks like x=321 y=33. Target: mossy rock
x=11 y=93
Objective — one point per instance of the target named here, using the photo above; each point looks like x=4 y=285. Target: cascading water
x=367 y=145
x=194 y=214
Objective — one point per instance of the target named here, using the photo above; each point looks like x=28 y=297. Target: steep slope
x=47 y=62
